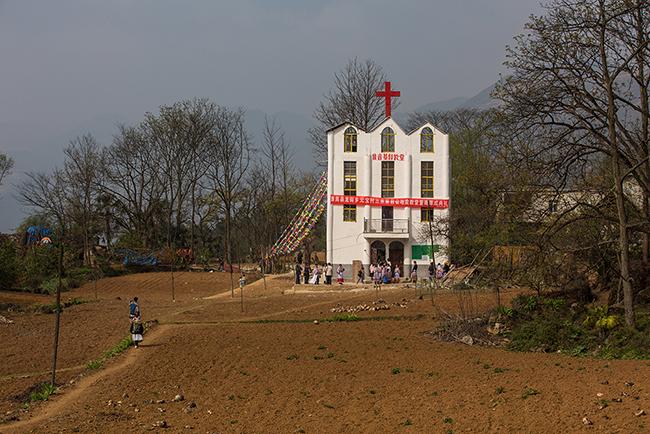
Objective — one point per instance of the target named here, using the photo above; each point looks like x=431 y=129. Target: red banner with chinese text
x=412 y=202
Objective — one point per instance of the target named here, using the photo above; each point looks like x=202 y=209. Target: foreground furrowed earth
x=292 y=362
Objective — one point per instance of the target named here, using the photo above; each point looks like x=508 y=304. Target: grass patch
x=448 y=420
x=95 y=364
x=499 y=390
x=51 y=307
x=395 y=371
x=529 y=391
x=42 y=393
x=292 y=357
x=342 y=317
x=121 y=346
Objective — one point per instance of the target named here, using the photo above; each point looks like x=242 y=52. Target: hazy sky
x=65 y=64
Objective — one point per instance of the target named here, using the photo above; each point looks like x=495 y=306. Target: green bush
x=50 y=285
x=9 y=267
x=38 y=264
x=548 y=324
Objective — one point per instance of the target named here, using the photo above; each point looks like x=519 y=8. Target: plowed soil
x=271 y=368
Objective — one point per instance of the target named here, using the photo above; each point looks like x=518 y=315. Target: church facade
x=388 y=191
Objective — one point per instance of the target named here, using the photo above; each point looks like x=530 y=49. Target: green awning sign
x=418 y=251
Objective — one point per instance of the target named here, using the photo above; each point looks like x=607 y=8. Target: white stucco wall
x=346 y=240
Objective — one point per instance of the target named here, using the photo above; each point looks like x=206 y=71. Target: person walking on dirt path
x=298 y=273
x=329 y=271
x=339 y=274
x=414 y=272
x=134 y=309
x=137 y=330
x=432 y=271
x=396 y=275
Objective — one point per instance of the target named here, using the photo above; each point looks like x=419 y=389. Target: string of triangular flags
x=304 y=221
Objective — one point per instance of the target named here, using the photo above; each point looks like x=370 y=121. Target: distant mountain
x=441 y=106
x=481 y=100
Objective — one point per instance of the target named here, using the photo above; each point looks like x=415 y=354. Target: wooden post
x=57 y=320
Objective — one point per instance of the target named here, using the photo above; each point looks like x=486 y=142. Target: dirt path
x=74 y=394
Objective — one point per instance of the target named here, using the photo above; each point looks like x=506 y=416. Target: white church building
x=384 y=186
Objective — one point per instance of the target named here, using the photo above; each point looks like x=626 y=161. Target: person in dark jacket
x=298 y=273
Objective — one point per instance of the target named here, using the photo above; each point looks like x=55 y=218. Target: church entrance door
x=396 y=255
x=377 y=252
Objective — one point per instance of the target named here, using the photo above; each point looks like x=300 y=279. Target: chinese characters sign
x=414 y=202
x=388 y=156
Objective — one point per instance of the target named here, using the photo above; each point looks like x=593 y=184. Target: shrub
x=42 y=393
x=9 y=268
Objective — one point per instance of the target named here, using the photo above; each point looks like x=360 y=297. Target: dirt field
x=272 y=369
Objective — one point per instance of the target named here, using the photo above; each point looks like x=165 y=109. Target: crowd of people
x=381 y=272
x=312 y=274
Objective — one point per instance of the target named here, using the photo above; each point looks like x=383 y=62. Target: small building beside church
x=384 y=187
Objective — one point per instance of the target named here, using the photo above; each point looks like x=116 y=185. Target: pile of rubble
x=4 y=320
x=374 y=307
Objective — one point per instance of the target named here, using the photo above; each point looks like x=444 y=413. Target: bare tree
x=228 y=162
x=352 y=99
x=180 y=132
x=131 y=182
x=569 y=81
x=6 y=164
x=82 y=172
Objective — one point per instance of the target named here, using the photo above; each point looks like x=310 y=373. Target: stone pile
x=373 y=307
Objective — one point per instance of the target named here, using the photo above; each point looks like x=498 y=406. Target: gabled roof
x=386 y=120
x=426 y=124
x=429 y=124
x=336 y=127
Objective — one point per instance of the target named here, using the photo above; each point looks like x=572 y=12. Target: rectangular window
x=426 y=214
x=349 y=213
x=426 y=179
x=387 y=179
x=350 y=189
x=350 y=178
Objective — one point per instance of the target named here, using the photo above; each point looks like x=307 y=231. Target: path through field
x=272 y=369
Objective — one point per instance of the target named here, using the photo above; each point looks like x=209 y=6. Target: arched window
x=350 y=140
x=388 y=140
x=426 y=140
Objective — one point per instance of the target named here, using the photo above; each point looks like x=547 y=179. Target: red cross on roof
x=387 y=93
